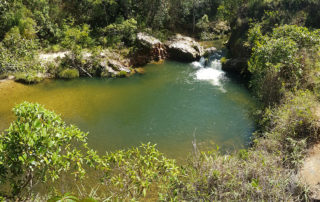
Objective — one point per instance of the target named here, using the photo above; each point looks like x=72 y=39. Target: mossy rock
x=28 y=78
x=69 y=74
x=140 y=70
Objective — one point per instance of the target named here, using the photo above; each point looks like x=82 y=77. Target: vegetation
x=39 y=147
x=286 y=60
x=280 y=39
x=69 y=74
x=28 y=78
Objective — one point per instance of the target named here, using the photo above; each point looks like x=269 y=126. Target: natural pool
x=168 y=105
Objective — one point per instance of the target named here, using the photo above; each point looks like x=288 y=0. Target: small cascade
x=210 y=70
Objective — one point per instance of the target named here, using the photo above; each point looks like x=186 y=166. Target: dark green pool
x=166 y=106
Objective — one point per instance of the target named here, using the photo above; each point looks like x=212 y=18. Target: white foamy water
x=211 y=72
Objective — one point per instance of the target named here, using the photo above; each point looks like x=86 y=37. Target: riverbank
x=110 y=63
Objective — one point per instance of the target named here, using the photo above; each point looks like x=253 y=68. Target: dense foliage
x=278 y=38
x=285 y=60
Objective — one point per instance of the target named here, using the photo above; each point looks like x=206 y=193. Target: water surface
x=170 y=105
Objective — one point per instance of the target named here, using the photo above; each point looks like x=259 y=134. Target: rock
x=114 y=64
x=139 y=70
x=113 y=68
x=149 y=49
x=209 y=51
x=107 y=71
x=184 y=49
x=147 y=41
x=51 y=57
x=236 y=65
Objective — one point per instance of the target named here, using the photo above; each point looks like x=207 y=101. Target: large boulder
x=236 y=66
x=147 y=41
x=113 y=65
x=209 y=51
x=149 y=49
x=184 y=49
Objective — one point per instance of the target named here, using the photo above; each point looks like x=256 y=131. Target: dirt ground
x=310 y=171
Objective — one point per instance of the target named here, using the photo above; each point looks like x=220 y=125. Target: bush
x=28 y=78
x=122 y=30
x=223 y=60
x=75 y=37
x=122 y=74
x=37 y=148
x=292 y=127
x=17 y=53
x=253 y=175
x=295 y=118
x=69 y=74
x=281 y=62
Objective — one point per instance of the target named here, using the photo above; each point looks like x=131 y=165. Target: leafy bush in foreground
x=37 y=148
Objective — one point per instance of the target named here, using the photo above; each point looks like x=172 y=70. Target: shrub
x=295 y=118
x=223 y=60
x=279 y=62
x=141 y=170
x=122 y=30
x=69 y=74
x=293 y=125
x=122 y=74
x=17 y=54
x=87 y=66
x=37 y=148
x=76 y=37
x=28 y=78
x=253 y=175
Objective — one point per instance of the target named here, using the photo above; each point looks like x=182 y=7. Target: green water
x=167 y=106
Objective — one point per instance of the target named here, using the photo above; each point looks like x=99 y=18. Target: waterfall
x=210 y=70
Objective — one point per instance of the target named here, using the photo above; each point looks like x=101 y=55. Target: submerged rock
x=184 y=49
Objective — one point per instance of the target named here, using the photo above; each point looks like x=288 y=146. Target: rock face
x=184 y=49
x=147 y=41
x=149 y=49
x=113 y=65
x=236 y=65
